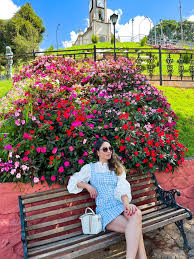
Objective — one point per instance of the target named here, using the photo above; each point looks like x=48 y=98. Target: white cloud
x=191 y=18
x=7 y=9
x=73 y=36
x=141 y=27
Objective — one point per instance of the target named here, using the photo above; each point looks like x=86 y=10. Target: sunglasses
x=105 y=149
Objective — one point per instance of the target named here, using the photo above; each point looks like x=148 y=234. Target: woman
x=112 y=192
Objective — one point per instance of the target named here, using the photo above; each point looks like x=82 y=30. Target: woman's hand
x=129 y=209
x=92 y=191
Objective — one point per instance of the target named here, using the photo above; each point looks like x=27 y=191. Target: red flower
x=136 y=153
x=157 y=144
x=41 y=117
x=128 y=138
x=150 y=165
x=138 y=164
x=147 y=135
x=51 y=128
x=161 y=156
x=116 y=137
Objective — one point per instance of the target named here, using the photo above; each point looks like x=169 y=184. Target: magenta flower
x=17 y=122
x=61 y=169
x=53 y=178
x=38 y=149
x=8 y=147
x=66 y=163
x=43 y=149
x=54 y=151
x=81 y=134
x=85 y=154
x=81 y=161
x=25 y=158
x=71 y=148
x=42 y=178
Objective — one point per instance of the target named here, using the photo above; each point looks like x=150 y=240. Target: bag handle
x=88 y=208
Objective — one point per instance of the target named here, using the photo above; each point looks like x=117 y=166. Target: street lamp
x=182 y=37
x=56 y=34
x=114 y=18
x=132 y=29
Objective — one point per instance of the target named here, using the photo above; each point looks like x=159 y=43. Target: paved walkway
x=160 y=244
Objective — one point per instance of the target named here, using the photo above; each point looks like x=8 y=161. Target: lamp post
x=182 y=38
x=114 y=18
x=161 y=37
x=56 y=34
x=132 y=29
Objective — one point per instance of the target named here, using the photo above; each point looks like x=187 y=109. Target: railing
x=159 y=63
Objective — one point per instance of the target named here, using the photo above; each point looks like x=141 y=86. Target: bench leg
x=179 y=225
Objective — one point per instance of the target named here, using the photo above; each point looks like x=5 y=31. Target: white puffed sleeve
x=123 y=187
x=82 y=176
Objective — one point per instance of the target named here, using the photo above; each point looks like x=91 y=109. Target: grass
x=5 y=87
x=182 y=102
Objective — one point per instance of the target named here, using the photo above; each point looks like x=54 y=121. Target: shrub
x=60 y=108
x=143 y=41
x=94 y=39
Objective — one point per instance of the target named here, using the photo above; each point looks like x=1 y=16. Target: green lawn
x=5 y=87
x=182 y=102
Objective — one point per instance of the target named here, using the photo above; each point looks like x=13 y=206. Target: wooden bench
x=50 y=225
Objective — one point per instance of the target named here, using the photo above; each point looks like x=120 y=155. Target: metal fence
x=159 y=63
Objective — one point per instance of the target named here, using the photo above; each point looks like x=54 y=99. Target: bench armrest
x=168 y=197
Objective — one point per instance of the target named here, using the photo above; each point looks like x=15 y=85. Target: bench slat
x=147 y=211
x=88 y=244
x=55 y=203
x=59 y=244
x=163 y=217
x=45 y=197
x=50 y=223
x=148 y=205
x=53 y=231
x=148 y=189
x=158 y=212
x=142 y=184
x=137 y=177
x=144 y=198
x=37 y=194
x=59 y=211
x=54 y=239
x=165 y=222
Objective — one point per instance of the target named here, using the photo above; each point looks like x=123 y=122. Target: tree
x=23 y=32
x=171 y=30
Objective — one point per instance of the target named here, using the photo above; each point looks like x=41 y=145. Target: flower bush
x=59 y=108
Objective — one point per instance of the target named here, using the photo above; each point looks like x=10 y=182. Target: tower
x=98 y=10
x=99 y=24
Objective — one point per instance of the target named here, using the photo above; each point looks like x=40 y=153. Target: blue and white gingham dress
x=106 y=203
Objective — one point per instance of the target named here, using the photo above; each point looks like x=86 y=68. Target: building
x=99 y=24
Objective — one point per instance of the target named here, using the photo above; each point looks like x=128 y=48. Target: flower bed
x=59 y=108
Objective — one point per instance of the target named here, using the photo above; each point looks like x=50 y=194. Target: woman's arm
x=92 y=191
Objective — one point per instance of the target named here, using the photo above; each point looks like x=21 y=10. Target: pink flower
x=38 y=149
x=84 y=141
x=18 y=175
x=25 y=158
x=81 y=134
x=17 y=164
x=106 y=126
x=23 y=122
x=61 y=169
x=43 y=149
x=66 y=163
x=55 y=150
x=110 y=124
x=71 y=148
x=42 y=178
x=17 y=122
x=81 y=161
x=53 y=178
x=36 y=180
x=97 y=136
x=85 y=154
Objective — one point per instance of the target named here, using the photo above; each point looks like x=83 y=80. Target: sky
x=65 y=17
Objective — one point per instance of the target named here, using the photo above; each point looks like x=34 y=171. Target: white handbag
x=91 y=222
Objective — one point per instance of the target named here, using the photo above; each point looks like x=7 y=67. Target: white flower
x=18 y=175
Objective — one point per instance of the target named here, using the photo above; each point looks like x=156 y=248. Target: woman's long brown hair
x=114 y=164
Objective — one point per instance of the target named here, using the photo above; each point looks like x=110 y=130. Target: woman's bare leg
x=141 y=253
x=131 y=227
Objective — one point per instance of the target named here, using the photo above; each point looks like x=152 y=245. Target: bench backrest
x=53 y=215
